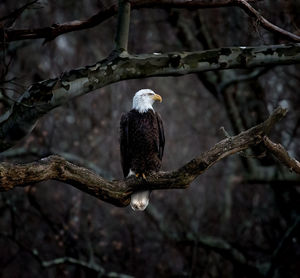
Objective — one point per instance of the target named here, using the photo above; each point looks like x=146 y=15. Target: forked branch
x=282 y=155
x=118 y=192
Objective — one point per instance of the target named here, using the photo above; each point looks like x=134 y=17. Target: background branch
x=50 y=33
x=287 y=239
x=282 y=155
x=15 y=14
x=267 y=24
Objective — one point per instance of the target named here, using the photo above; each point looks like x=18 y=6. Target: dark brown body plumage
x=141 y=142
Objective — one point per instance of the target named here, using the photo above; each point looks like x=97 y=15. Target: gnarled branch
x=118 y=192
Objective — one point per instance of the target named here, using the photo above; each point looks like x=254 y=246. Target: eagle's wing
x=161 y=143
x=124 y=144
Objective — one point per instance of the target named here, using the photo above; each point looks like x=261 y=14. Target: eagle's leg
x=142 y=174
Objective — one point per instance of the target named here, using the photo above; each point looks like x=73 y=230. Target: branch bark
x=44 y=96
x=279 y=152
x=118 y=192
x=123 y=26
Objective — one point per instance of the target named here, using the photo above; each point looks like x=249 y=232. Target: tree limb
x=267 y=24
x=118 y=192
x=50 y=33
x=241 y=78
x=15 y=14
x=44 y=96
x=279 y=152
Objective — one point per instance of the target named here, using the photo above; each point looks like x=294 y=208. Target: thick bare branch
x=282 y=155
x=44 y=96
x=118 y=192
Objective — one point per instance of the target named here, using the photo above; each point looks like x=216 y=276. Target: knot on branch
x=174 y=60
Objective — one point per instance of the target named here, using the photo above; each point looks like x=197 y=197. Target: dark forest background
x=238 y=219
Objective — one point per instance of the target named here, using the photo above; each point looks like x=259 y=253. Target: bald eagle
x=142 y=142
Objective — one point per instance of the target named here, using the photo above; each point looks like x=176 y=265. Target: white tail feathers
x=140 y=200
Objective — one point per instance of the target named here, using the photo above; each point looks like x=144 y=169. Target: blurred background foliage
x=239 y=219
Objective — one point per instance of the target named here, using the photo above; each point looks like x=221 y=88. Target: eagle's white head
x=144 y=99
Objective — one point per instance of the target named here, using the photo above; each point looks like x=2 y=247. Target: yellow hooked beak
x=157 y=97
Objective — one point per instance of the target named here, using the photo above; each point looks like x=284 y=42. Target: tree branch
x=241 y=78
x=267 y=24
x=44 y=96
x=118 y=192
x=16 y=13
x=282 y=155
x=50 y=33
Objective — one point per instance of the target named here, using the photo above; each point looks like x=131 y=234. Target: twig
x=242 y=78
x=17 y=12
x=282 y=155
